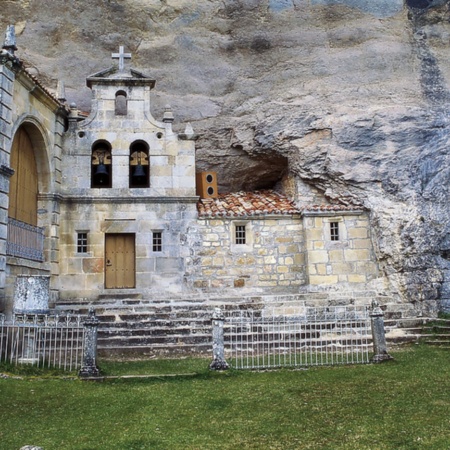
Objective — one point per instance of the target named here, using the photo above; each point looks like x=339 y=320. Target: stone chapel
x=109 y=204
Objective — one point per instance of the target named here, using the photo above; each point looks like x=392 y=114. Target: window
x=82 y=242
x=101 y=165
x=121 y=107
x=139 y=165
x=334 y=231
x=157 y=241
x=240 y=235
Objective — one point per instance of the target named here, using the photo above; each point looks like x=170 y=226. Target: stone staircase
x=178 y=326
x=436 y=332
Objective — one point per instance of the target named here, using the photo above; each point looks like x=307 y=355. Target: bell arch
x=139 y=170
x=101 y=165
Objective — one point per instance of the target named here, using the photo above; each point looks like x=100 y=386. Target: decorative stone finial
x=121 y=56
x=10 y=40
x=168 y=114
x=189 y=131
x=61 y=91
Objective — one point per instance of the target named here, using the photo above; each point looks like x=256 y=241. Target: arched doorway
x=23 y=187
x=25 y=239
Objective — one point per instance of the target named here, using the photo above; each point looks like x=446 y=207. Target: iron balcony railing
x=25 y=240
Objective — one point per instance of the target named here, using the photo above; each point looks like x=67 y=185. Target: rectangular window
x=334 y=231
x=240 y=234
x=157 y=241
x=82 y=242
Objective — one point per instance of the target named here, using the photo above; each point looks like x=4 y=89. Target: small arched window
x=121 y=107
x=139 y=165
x=101 y=165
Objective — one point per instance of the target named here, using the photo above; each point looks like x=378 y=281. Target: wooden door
x=120 y=270
x=23 y=185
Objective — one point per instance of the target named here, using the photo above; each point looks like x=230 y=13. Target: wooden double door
x=120 y=261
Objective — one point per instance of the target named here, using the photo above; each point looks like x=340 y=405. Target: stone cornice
x=342 y=212
x=131 y=200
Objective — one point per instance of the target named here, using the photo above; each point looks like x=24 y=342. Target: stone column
x=89 y=367
x=218 y=362
x=378 y=335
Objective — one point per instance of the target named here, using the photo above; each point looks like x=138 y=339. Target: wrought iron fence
x=42 y=340
x=25 y=240
x=296 y=337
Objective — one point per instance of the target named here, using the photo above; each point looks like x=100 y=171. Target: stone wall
x=350 y=259
x=273 y=258
x=26 y=104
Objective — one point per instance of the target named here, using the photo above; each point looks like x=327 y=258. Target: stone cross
x=121 y=56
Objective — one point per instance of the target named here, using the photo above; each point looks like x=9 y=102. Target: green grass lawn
x=402 y=404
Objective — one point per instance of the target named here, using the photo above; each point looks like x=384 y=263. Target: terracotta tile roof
x=331 y=208
x=238 y=204
x=243 y=204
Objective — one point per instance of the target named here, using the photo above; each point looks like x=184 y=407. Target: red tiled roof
x=241 y=204
x=238 y=204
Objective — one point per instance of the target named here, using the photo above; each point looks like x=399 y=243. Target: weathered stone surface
x=349 y=95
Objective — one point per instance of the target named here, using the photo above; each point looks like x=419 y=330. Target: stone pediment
x=113 y=75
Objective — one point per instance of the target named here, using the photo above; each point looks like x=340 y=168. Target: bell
x=139 y=176
x=101 y=174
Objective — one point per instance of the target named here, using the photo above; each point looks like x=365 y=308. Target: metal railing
x=43 y=340
x=287 y=337
x=25 y=240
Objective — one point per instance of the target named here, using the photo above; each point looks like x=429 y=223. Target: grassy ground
x=403 y=404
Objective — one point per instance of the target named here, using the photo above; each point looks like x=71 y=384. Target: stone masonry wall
x=273 y=259
x=348 y=260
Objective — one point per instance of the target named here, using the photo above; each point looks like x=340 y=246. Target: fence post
x=378 y=335
x=89 y=367
x=218 y=362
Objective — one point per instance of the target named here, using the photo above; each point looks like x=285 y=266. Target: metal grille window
x=334 y=231
x=157 y=241
x=82 y=242
x=240 y=234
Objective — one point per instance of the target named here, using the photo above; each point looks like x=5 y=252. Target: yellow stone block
x=284 y=239
x=289 y=261
x=362 y=243
x=342 y=268
x=318 y=245
x=320 y=279
x=356 y=278
x=318 y=222
x=336 y=255
x=357 y=233
x=314 y=234
x=321 y=269
x=318 y=256
x=356 y=255
x=299 y=258
x=270 y=260
x=282 y=269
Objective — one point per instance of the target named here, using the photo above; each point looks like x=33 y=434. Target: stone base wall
x=273 y=258
x=82 y=275
x=348 y=260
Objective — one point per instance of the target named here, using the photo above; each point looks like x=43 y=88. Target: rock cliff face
x=349 y=96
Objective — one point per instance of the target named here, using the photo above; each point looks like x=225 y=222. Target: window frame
x=157 y=241
x=335 y=234
x=82 y=243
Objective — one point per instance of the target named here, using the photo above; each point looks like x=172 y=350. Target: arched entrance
x=25 y=238
x=23 y=185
